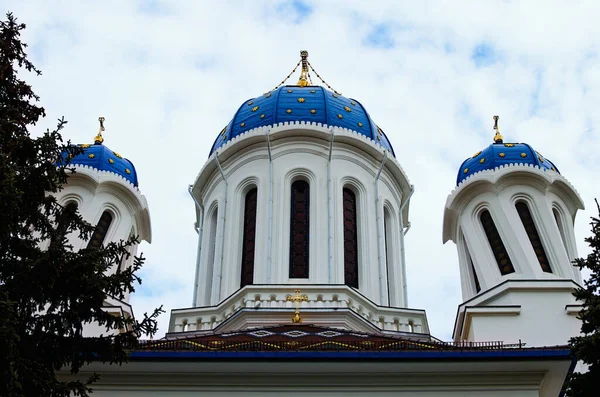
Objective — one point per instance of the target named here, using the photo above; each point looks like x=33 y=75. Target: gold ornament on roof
x=303 y=80
x=98 y=138
x=498 y=138
x=92 y=155
x=297 y=299
x=301 y=100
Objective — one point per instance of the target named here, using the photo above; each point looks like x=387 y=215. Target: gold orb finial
x=98 y=139
x=303 y=80
x=498 y=138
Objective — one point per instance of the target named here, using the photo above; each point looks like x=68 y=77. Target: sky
x=167 y=76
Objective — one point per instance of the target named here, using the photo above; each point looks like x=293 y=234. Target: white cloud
x=168 y=77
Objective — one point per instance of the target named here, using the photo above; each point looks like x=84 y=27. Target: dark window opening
x=299 y=228
x=249 y=239
x=504 y=263
x=101 y=230
x=350 y=239
x=534 y=236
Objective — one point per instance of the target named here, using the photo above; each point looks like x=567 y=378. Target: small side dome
x=102 y=158
x=500 y=153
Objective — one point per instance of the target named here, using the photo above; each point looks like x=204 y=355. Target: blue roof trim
x=499 y=154
x=102 y=158
x=506 y=354
x=313 y=104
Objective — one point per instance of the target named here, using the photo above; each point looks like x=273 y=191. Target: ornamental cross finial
x=498 y=138
x=303 y=80
x=98 y=139
x=297 y=299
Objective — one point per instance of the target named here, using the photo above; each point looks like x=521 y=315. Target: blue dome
x=500 y=153
x=295 y=103
x=102 y=158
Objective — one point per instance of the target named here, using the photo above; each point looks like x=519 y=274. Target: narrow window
x=470 y=261
x=64 y=220
x=561 y=228
x=248 y=243
x=504 y=263
x=210 y=262
x=101 y=230
x=534 y=236
x=350 y=239
x=300 y=201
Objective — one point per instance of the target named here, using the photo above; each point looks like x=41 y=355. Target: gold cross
x=98 y=138
x=303 y=80
x=298 y=298
x=498 y=138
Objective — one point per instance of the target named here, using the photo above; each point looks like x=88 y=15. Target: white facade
x=529 y=305
x=329 y=159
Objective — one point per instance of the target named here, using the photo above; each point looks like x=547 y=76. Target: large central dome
x=295 y=103
x=306 y=103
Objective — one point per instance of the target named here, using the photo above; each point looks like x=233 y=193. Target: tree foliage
x=48 y=290
x=586 y=348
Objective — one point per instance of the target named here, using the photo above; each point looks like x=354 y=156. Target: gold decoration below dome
x=482 y=161
x=523 y=154
x=509 y=144
x=118 y=155
x=268 y=95
x=465 y=170
x=91 y=155
x=347 y=109
x=501 y=154
x=541 y=158
x=250 y=103
x=242 y=124
x=262 y=116
x=255 y=108
x=312 y=91
x=313 y=111
x=288 y=111
x=127 y=171
x=360 y=124
x=111 y=161
x=477 y=154
x=85 y=145
x=290 y=91
x=297 y=299
x=301 y=100
x=352 y=103
x=340 y=116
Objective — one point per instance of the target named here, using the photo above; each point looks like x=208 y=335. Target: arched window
x=64 y=220
x=101 y=230
x=561 y=228
x=350 y=239
x=534 y=236
x=299 y=228
x=504 y=263
x=210 y=260
x=248 y=242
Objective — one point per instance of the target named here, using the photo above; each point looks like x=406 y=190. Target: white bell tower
x=105 y=190
x=511 y=217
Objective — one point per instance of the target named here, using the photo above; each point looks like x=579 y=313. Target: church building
x=300 y=281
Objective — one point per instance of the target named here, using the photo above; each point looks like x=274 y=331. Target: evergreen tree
x=586 y=348
x=46 y=295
